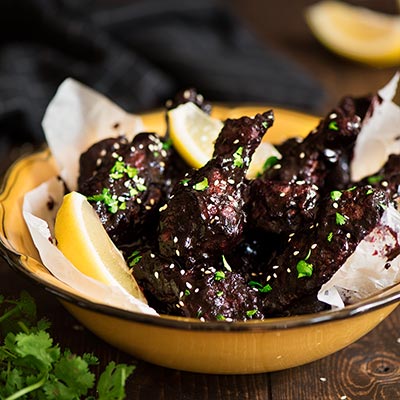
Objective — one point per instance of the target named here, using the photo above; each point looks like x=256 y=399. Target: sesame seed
x=282 y=194
x=189 y=285
x=288 y=270
x=162 y=164
x=156 y=274
x=335 y=205
x=98 y=162
x=182 y=271
x=277 y=166
x=164 y=207
x=133 y=149
x=275 y=267
x=314 y=186
x=152 y=255
x=152 y=201
x=253 y=274
x=181 y=303
x=114 y=155
x=300 y=182
x=177 y=306
x=322 y=379
x=186 y=94
x=175 y=239
x=268 y=278
x=216 y=182
x=231 y=181
x=302 y=154
x=141 y=147
x=230 y=198
x=138 y=200
x=147 y=207
x=202 y=319
x=348 y=235
x=274 y=275
x=103 y=153
x=228 y=319
x=344 y=397
x=177 y=252
x=163 y=153
x=236 y=141
x=333 y=115
x=172 y=266
x=384 y=183
x=181 y=294
x=291 y=234
x=313 y=246
x=296 y=252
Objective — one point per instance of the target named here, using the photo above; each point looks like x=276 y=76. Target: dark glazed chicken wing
x=126 y=182
x=287 y=194
x=205 y=216
x=316 y=252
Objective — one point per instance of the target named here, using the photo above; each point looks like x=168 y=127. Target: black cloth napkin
x=138 y=53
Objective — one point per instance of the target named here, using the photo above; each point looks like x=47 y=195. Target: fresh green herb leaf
x=220 y=293
x=226 y=265
x=202 y=185
x=340 y=219
x=220 y=317
x=369 y=191
x=250 y=313
x=187 y=292
x=264 y=124
x=304 y=269
x=134 y=258
x=237 y=158
x=257 y=285
x=374 y=179
x=219 y=275
x=329 y=237
x=269 y=162
x=308 y=255
x=336 y=195
x=333 y=126
x=167 y=144
x=184 y=181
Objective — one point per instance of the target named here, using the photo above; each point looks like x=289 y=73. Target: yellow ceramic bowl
x=188 y=344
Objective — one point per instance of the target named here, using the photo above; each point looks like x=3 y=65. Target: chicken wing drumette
x=287 y=194
x=127 y=182
x=315 y=253
x=204 y=219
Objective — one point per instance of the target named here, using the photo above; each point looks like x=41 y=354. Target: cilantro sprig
x=32 y=366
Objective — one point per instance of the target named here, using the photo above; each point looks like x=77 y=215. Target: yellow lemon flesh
x=193 y=133
x=83 y=240
x=356 y=33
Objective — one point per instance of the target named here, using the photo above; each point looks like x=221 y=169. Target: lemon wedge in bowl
x=356 y=32
x=83 y=240
x=193 y=133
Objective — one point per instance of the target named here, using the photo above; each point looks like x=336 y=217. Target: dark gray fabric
x=139 y=53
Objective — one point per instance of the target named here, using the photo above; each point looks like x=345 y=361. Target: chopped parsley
x=329 y=237
x=220 y=293
x=333 y=126
x=257 y=285
x=220 y=317
x=134 y=258
x=202 y=185
x=187 y=292
x=184 y=181
x=269 y=162
x=374 y=179
x=340 y=219
x=250 y=313
x=304 y=269
x=112 y=201
x=120 y=168
x=264 y=124
x=219 y=275
x=237 y=158
x=369 y=191
x=336 y=195
x=167 y=144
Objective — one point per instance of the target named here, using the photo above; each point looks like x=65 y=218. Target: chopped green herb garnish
x=219 y=275
x=220 y=317
x=111 y=201
x=237 y=157
x=308 y=255
x=202 y=185
x=156 y=153
x=257 y=285
x=134 y=258
x=264 y=124
x=140 y=187
x=269 y=162
x=369 y=191
x=167 y=144
x=351 y=189
x=250 y=313
x=333 y=126
x=336 y=195
x=187 y=292
x=184 y=181
x=329 y=237
x=374 y=179
x=220 y=293
x=225 y=263
x=340 y=219
x=304 y=269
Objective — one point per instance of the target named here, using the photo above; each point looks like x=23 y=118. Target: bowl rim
x=17 y=260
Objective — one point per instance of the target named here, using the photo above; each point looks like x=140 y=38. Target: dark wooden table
x=367 y=369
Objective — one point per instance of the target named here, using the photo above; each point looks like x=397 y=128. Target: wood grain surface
x=368 y=369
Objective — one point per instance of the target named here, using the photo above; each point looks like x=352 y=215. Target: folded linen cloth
x=138 y=53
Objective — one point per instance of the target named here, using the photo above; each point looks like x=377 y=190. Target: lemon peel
x=356 y=33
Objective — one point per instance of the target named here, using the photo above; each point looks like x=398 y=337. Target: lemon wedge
x=356 y=32
x=83 y=240
x=193 y=133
